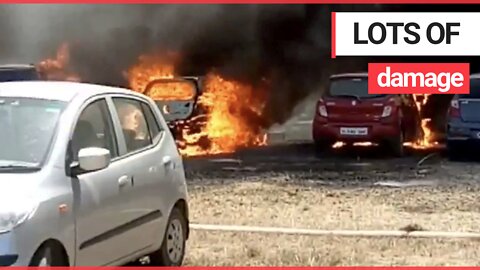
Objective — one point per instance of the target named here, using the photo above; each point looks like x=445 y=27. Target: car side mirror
x=91 y=159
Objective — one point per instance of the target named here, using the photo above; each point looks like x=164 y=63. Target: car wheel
x=454 y=152
x=321 y=147
x=396 y=145
x=172 y=251
x=49 y=255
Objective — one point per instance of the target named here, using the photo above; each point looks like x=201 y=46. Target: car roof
x=350 y=75
x=16 y=66
x=62 y=91
x=475 y=76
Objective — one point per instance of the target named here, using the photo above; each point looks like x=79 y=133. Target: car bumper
x=10 y=255
x=376 y=132
x=461 y=131
x=8 y=252
x=8 y=260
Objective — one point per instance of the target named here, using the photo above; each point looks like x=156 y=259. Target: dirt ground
x=328 y=194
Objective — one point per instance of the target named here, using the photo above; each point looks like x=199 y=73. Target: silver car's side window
x=152 y=122
x=94 y=128
x=133 y=122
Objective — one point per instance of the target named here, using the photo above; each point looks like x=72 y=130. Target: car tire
x=321 y=147
x=396 y=145
x=454 y=152
x=172 y=251
x=49 y=254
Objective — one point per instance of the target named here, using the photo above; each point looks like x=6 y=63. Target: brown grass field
x=279 y=201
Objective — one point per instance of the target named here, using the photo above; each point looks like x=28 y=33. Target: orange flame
x=227 y=127
x=171 y=91
x=56 y=69
x=150 y=68
x=427 y=139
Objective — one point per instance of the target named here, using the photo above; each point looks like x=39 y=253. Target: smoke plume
x=289 y=45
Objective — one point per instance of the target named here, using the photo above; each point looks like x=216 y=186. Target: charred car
x=177 y=99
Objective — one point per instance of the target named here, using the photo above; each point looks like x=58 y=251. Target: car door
x=144 y=144
x=100 y=195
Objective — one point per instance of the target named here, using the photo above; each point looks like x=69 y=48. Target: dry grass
x=280 y=204
x=230 y=249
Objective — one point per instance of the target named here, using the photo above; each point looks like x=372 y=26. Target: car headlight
x=15 y=213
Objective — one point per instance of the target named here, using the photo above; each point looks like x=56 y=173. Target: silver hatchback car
x=89 y=176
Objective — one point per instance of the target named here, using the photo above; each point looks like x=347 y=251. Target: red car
x=348 y=113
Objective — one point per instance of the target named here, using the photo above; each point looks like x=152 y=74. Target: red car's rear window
x=356 y=87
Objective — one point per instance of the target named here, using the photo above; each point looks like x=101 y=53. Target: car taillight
x=387 y=111
x=388 y=108
x=454 y=110
x=322 y=109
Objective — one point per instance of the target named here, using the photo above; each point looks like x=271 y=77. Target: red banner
x=418 y=78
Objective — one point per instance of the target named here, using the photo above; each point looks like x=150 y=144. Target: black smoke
x=288 y=44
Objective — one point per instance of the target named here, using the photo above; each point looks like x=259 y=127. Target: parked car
x=348 y=113
x=89 y=176
x=18 y=72
x=463 y=120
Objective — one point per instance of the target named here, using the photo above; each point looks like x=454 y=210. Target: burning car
x=204 y=123
x=347 y=113
x=176 y=99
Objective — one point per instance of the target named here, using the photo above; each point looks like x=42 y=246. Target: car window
x=133 y=122
x=94 y=128
x=28 y=128
x=474 y=89
x=350 y=87
x=152 y=123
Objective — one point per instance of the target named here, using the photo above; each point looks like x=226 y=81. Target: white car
x=89 y=176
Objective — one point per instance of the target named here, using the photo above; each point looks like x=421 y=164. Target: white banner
x=405 y=34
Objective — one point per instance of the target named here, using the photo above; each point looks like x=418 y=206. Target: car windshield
x=28 y=127
x=474 y=89
x=350 y=87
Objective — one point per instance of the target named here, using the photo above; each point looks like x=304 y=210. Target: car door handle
x=124 y=180
x=168 y=162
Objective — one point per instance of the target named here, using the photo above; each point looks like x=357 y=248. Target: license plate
x=353 y=131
